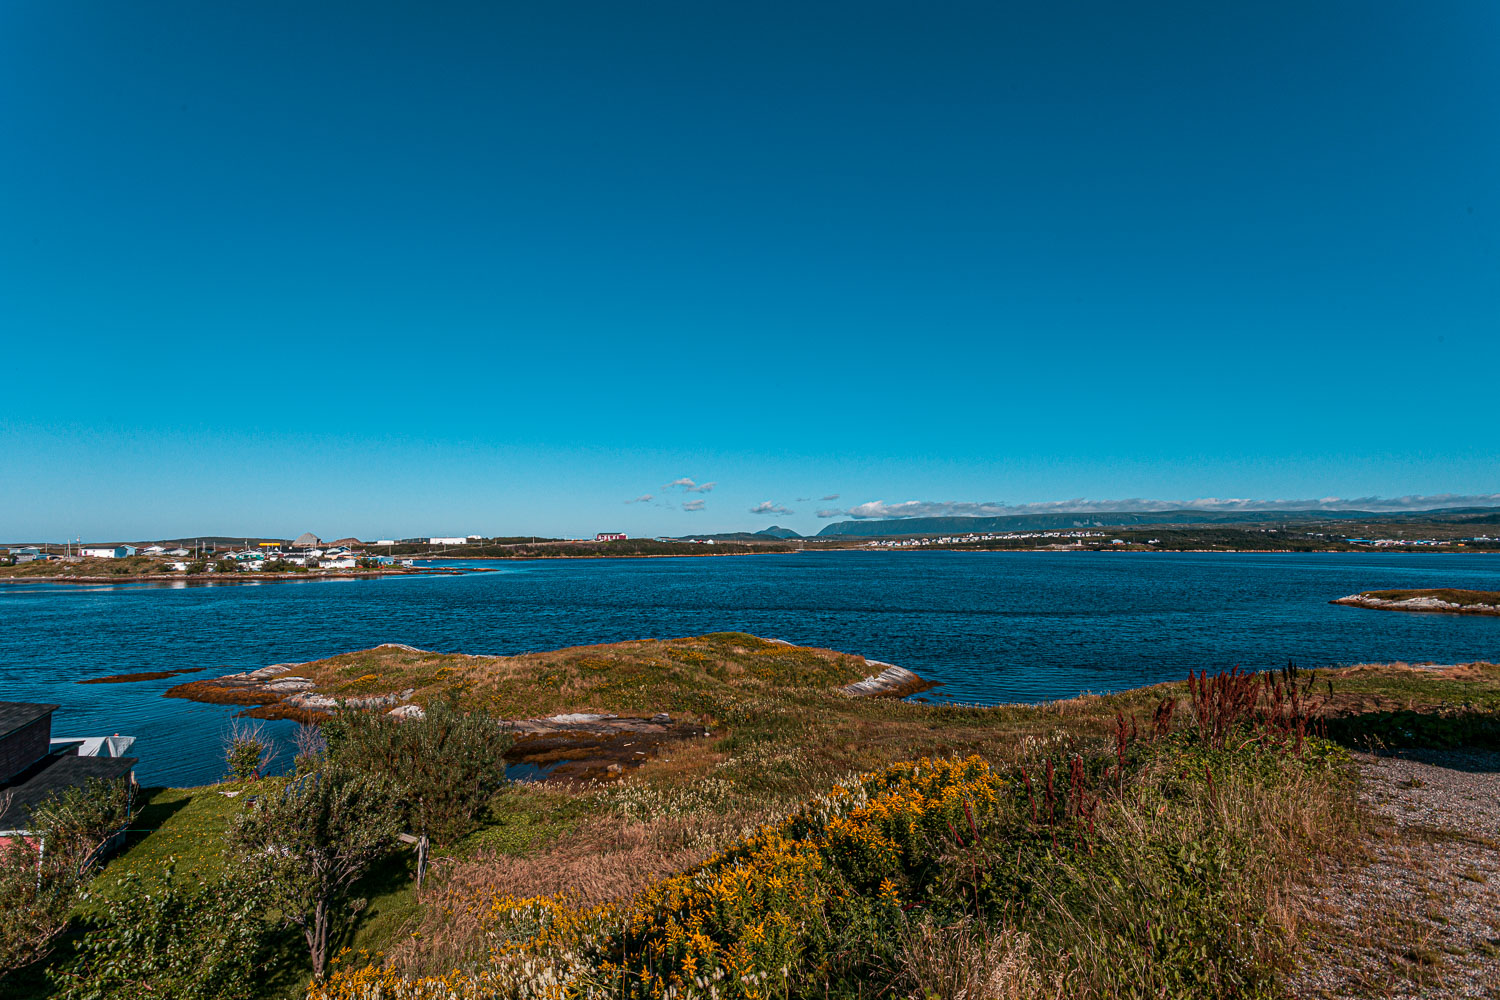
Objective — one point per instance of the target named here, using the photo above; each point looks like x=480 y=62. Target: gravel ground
x=1421 y=917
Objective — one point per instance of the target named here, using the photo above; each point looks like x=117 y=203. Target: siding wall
x=24 y=747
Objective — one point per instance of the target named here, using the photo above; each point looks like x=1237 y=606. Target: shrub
x=37 y=892
x=40 y=877
x=448 y=762
x=311 y=839
x=247 y=751
x=77 y=821
x=174 y=938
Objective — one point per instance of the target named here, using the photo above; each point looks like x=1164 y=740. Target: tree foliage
x=448 y=762
x=41 y=875
x=180 y=937
x=309 y=842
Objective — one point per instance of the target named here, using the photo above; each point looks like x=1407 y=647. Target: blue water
x=992 y=627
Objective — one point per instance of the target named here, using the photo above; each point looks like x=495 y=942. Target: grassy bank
x=1146 y=843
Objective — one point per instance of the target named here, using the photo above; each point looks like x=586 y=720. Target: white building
x=460 y=540
x=107 y=551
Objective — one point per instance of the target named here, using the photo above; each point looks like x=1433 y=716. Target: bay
x=992 y=627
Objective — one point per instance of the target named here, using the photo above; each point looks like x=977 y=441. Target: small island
x=1443 y=601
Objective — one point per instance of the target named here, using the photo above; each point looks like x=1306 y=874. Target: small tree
x=312 y=839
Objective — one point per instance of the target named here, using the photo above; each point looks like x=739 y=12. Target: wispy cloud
x=643 y=498
x=768 y=507
x=688 y=486
x=831 y=496
x=883 y=510
x=693 y=504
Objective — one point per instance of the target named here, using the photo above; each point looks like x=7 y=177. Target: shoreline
x=1420 y=602
x=241 y=578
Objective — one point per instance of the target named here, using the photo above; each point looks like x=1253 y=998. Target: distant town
x=1446 y=530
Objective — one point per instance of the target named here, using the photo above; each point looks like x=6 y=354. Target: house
x=107 y=551
x=460 y=540
x=609 y=536
x=154 y=550
x=34 y=766
x=26 y=553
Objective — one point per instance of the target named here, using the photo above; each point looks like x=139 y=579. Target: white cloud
x=688 y=486
x=643 y=498
x=693 y=505
x=883 y=510
x=768 y=507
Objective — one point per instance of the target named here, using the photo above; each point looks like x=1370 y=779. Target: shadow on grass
x=1387 y=732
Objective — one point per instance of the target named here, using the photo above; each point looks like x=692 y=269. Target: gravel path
x=1421 y=917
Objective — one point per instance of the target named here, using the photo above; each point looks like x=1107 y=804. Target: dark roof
x=55 y=773
x=19 y=714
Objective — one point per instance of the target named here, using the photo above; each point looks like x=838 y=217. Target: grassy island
x=777 y=836
x=1443 y=601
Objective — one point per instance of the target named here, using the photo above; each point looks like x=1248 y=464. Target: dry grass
x=606 y=859
x=969 y=961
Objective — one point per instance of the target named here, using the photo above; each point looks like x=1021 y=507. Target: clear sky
x=396 y=269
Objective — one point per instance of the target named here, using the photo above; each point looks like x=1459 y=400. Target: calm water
x=992 y=626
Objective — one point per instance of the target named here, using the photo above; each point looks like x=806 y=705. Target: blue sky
x=395 y=269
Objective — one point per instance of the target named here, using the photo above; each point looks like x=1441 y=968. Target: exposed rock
x=892 y=682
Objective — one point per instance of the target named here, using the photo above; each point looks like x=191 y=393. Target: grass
x=1209 y=834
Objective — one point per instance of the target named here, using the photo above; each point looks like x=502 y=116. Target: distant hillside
x=775 y=533
x=1116 y=519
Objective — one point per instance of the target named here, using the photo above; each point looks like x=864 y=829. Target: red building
x=609 y=536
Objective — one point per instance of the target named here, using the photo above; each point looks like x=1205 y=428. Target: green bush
x=38 y=886
x=77 y=820
x=173 y=938
x=37 y=892
x=448 y=763
x=246 y=751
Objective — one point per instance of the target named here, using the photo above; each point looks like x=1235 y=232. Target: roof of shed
x=19 y=714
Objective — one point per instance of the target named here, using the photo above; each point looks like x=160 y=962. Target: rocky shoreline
x=1418 y=603
x=564 y=747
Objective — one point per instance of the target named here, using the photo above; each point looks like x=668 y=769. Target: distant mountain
x=775 y=533
x=1121 y=519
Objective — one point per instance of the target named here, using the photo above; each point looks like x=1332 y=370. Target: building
x=26 y=554
x=34 y=766
x=107 y=551
x=609 y=536
x=307 y=540
x=448 y=541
